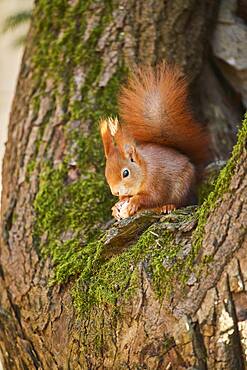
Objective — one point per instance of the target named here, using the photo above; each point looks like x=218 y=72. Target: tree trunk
x=74 y=295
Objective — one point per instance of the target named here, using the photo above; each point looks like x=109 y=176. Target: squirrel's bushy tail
x=154 y=109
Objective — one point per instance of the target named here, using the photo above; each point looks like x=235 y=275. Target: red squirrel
x=155 y=155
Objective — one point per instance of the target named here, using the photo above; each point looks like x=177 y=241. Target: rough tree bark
x=132 y=298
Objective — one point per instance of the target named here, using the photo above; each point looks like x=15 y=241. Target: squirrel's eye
x=126 y=172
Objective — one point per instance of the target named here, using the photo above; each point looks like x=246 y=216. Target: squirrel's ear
x=131 y=153
x=106 y=137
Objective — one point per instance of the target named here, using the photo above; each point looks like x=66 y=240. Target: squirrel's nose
x=116 y=193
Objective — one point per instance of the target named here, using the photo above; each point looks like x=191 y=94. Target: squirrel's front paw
x=132 y=207
x=125 y=208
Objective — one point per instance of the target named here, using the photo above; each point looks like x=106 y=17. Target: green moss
x=30 y=167
x=205 y=188
x=100 y=281
x=70 y=207
x=60 y=46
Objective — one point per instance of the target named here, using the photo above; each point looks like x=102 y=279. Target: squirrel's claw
x=132 y=207
x=168 y=208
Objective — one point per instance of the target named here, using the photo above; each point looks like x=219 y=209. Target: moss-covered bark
x=55 y=253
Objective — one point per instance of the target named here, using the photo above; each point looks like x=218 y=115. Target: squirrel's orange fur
x=153 y=156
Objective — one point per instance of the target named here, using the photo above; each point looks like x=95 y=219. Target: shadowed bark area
x=55 y=201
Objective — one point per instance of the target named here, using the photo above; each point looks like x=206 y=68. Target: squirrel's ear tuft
x=106 y=137
x=131 y=153
x=113 y=125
